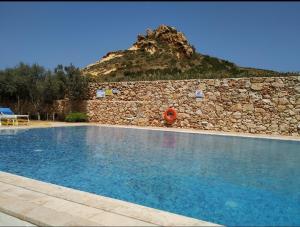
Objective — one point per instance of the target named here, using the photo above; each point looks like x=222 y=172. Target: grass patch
x=76 y=117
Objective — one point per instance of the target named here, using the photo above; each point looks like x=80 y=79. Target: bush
x=76 y=117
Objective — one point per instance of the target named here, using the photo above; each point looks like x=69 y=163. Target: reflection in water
x=228 y=180
x=169 y=140
x=11 y=131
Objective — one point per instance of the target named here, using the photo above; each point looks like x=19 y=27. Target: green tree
x=61 y=81
x=41 y=87
x=77 y=83
x=35 y=87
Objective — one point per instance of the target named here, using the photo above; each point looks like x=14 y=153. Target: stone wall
x=251 y=105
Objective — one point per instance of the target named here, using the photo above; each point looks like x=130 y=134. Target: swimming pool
x=222 y=179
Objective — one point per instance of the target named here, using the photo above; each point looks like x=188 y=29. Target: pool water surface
x=222 y=179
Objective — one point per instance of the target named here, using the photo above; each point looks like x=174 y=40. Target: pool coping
x=8 y=220
x=28 y=193
x=168 y=129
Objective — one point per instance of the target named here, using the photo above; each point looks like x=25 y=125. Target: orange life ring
x=170 y=115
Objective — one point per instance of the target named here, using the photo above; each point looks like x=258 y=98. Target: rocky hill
x=164 y=53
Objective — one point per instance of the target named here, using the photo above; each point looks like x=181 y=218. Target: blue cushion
x=6 y=111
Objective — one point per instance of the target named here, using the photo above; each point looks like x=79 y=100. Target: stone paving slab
x=43 y=204
x=7 y=220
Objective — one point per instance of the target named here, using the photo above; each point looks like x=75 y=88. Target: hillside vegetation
x=165 y=54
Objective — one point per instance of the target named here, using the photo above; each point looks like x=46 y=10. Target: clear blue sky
x=263 y=35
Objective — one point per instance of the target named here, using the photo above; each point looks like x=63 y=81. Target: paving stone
x=111 y=219
x=7 y=220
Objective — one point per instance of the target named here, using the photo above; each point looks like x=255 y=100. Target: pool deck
x=7 y=220
x=45 y=204
x=25 y=201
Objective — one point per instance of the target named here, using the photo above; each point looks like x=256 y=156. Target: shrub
x=76 y=117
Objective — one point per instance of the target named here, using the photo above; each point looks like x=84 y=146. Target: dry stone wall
x=251 y=105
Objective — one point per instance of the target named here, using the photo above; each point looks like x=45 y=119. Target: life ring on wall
x=170 y=115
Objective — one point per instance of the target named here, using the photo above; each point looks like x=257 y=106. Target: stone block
x=256 y=86
x=278 y=85
x=248 y=107
x=237 y=115
x=283 y=101
x=236 y=107
x=259 y=110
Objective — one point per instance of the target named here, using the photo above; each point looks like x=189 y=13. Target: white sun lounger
x=7 y=113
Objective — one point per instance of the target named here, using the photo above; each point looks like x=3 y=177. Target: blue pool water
x=221 y=179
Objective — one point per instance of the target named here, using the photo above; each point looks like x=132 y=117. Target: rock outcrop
x=162 y=52
x=164 y=35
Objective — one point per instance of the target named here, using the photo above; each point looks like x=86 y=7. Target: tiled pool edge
x=114 y=206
